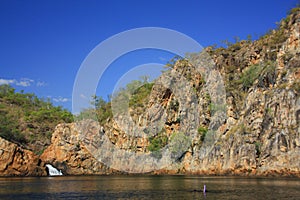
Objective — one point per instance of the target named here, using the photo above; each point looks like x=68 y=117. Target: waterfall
x=52 y=171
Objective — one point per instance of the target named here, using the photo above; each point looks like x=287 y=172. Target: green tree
x=28 y=120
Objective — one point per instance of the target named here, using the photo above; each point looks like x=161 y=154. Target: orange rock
x=16 y=161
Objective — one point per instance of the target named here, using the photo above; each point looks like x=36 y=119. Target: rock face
x=263 y=141
x=67 y=154
x=261 y=133
x=15 y=161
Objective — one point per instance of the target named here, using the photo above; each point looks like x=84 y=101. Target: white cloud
x=61 y=99
x=40 y=84
x=25 y=82
x=7 y=81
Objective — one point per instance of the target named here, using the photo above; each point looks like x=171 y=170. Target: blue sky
x=43 y=43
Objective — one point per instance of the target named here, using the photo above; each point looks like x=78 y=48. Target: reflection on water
x=148 y=187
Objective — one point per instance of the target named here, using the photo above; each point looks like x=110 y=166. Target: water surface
x=148 y=187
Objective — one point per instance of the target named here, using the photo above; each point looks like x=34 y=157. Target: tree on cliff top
x=28 y=120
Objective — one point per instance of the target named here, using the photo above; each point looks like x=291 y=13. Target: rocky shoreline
x=67 y=154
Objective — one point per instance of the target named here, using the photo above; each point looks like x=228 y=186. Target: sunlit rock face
x=66 y=153
x=16 y=161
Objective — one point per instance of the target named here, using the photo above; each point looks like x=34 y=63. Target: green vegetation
x=236 y=59
x=258 y=148
x=158 y=142
x=287 y=20
x=237 y=129
x=202 y=131
x=179 y=144
x=264 y=73
x=294 y=10
x=28 y=120
x=174 y=105
x=249 y=76
x=101 y=111
x=9 y=128
x=141 y=95
x=216 y=107
x=174 y=60
x=136 y=93
x=87 y=113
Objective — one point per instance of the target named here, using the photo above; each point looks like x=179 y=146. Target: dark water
x=148 y=187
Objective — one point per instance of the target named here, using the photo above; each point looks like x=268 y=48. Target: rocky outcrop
x=67 y=153
x=263 y=141
x=261 y=134
x=16 y=161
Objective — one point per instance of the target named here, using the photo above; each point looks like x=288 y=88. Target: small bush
x=294 y=10
x=174 y=105
x=157 y=142
x=249 y=76
x=179 y=144
x=268 y=75
x=202 y=131
x=258 y=148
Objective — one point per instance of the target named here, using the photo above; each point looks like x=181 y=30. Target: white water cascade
x=53 y=171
